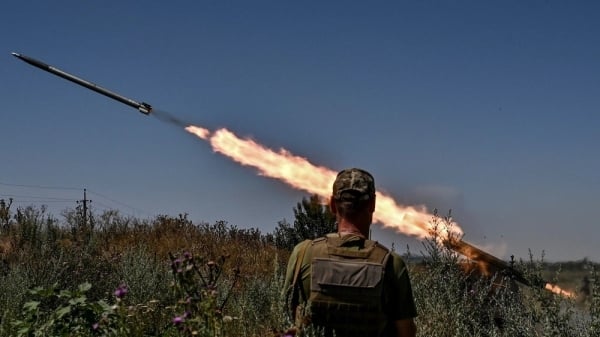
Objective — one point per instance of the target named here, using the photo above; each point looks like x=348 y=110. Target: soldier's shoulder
x=302 y=245
x=398 y=262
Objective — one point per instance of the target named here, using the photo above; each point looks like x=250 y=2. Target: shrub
x=229 y=284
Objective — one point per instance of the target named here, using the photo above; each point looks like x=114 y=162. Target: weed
x=118 y=279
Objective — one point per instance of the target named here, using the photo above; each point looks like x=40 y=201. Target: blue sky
x=489 y=109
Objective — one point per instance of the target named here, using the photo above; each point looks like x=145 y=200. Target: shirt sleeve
x=289 y=273
x=400 y=301
x=289 y=293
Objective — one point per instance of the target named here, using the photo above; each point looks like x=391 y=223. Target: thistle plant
x=202 y=297
x=141 y=290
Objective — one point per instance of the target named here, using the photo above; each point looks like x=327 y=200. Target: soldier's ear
x=372 y=205
x=332 y=205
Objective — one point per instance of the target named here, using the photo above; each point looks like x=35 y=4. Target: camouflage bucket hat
x=353 y=184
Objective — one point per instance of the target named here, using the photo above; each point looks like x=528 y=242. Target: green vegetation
x=120 y=276
x=311 y=220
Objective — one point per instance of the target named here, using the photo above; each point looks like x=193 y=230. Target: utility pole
x=85 y=202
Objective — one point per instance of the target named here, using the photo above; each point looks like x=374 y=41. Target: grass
x=170 y=277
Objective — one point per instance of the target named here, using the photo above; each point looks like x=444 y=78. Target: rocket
x=144 y=108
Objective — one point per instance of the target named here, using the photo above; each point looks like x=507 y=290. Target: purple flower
x=187 y=255
x=95 y=326
x=121 y=291
x=177 y=320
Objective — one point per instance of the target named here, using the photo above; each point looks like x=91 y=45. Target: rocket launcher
x=491 y=264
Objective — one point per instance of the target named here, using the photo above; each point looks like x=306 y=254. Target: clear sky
x=489 y=109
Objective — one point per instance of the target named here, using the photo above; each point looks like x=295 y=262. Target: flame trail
x=299 y=173
x=558 y=290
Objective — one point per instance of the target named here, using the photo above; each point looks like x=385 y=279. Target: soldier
x=345 y=283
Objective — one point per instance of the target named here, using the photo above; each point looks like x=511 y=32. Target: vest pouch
x=346 y=295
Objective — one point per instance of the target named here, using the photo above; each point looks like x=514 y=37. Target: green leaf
x=36 y=290
x=23 y=331
x=78 y=300
x=63 y=311
x=104 y=306
x=64 y=293
x=31 y=306
x=85 y=287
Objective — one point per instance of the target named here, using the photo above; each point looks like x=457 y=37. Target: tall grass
x=170 y=277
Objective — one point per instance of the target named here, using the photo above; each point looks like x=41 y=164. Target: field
x=121 y=276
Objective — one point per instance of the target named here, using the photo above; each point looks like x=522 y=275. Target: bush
x=170 y=277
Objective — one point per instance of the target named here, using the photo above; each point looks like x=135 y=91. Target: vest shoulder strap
x=334 y=247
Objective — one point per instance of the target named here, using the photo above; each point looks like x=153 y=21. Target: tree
x=312 y=220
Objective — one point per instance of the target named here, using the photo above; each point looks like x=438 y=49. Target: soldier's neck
x=346 y=227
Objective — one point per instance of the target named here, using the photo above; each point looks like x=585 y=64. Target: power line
x=104 y=207
x=119 y=202
x=42 y=187
x=35 y=197
x=42 y=201
x=66 y=188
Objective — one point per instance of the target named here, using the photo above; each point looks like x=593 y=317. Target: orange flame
x=558 y=290
x=299 y=173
